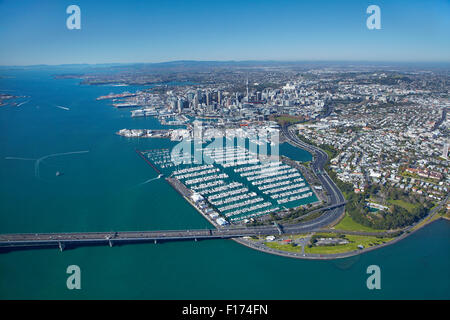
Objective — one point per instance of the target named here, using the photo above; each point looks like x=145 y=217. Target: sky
x=35 y=32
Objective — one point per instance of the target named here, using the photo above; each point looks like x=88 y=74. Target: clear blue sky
x=34 y=32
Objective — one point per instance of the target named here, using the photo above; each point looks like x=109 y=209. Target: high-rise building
x=196 y=101
x=173 y=103
x=219 y=97
x=180 y=105
x=248 y=96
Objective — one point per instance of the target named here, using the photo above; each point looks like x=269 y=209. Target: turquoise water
x=294 y=153
x=101 y=191
x=98 y=190
x=415 y=268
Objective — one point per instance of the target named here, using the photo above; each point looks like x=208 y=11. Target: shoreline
x=432 y=216
x=407 y=231
x=328 y=256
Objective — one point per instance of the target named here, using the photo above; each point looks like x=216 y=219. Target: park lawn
x=282 y=120
x=328 y=235
x=366 y=241
x=283 y=247
x=297 y=236
x=405 y=205
x=348 y=224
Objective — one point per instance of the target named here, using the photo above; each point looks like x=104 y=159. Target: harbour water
x=103 y=190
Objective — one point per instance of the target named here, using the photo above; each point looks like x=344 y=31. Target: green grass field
x=406 y=205
x=355 y=240
x=282 y=120
x=283 y=247
x=348 y=224
x=366 y=241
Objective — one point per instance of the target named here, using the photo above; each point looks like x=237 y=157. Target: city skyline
x=150 y=32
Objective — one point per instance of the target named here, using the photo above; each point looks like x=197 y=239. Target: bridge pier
x=61 y=246
x=156 y=241
x=110 y=243
x=278 y=228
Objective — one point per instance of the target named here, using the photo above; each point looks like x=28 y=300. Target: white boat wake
x=150 y=180
x=22 y=103
x=64 y=108
x=38 y=161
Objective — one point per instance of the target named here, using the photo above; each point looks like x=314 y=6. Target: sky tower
x=248 y=97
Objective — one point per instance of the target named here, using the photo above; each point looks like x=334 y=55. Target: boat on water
x=22 y=103
x=58 y=173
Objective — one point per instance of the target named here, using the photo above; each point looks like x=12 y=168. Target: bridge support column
x=61 y=246
x=156 y=241
x=110 y=243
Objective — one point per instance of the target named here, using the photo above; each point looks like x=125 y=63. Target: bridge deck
x=79 y=238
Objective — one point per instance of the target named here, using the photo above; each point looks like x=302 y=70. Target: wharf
x=187 y=194
x=148 y=161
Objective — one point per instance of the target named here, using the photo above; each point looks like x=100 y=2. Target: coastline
x=407 y=231
x=310 y=256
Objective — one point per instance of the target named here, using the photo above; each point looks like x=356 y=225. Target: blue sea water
x=101 y=191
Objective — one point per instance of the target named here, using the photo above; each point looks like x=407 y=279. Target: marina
x=234 y=186
x=156 y=207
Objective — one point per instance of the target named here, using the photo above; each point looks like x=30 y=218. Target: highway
x=332 y=212
x=320 y=158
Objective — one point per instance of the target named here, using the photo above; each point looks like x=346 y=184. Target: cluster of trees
x=298 y=212
x=345 y=187
x=306 y=140
x=332 y=152
x=397 y=217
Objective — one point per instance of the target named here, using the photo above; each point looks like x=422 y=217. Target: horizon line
x=234 y=61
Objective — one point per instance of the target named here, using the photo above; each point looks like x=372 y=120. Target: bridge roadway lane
x=320 y=158
x=53 y=239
